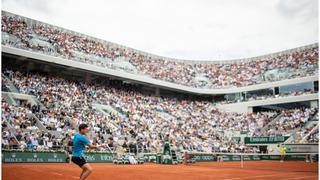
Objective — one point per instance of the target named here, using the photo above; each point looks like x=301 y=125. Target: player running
x=80 y=141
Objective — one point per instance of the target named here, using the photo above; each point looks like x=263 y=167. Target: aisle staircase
x=11 y=86
x=304 y=139
x=106 y=109
x=14 y=90
x=265 y=128
x=8 y=97
x=312 y=122
x=121 y=113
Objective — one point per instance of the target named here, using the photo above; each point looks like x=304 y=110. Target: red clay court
x=198 y=171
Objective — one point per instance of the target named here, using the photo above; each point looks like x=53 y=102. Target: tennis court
x=288 y=170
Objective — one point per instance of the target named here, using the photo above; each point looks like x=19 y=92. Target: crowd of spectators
x=136 y=121
x=312 y=135
x=290 y=120
x=19 y=129
x=17 y=116
x=51 y=40
x=309 y=134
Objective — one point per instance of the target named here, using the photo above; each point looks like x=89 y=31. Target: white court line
x=43 y=171
x=301 y=177
x=249 y=177
x=56 y=173
x=37 y=170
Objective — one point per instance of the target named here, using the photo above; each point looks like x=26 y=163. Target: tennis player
x=80 y=141
x=283 y=151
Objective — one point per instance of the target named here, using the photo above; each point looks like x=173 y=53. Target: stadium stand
x=192 y=125
x=24 y=33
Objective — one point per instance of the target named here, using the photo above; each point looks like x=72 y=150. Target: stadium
x=149 y=116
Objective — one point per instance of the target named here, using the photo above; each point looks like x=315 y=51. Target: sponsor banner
x=265 y=140
x=238 y=158
x=288 y=157
x=302 y=148
x=33 y=157
x=271 y=157
x=58 y=157
x=299 y=157
x=51 y=157
x=203 y=157
x=99 y=157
